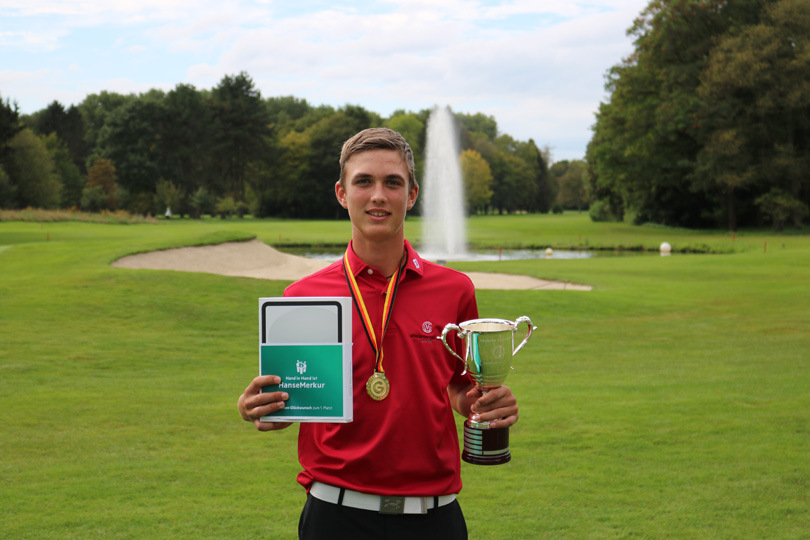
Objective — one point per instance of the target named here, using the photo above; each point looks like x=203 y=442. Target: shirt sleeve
x=468 y=310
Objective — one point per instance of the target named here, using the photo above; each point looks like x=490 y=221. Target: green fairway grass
x=670 y=402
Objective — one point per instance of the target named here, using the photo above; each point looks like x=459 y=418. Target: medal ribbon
x=388 y=307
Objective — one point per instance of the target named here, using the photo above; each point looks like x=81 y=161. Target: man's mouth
x=378 y=213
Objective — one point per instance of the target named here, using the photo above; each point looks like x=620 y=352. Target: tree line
x=708 y=120
x=227 y=150
x=707 y=124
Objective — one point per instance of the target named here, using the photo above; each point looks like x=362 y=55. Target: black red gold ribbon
x=360 y=305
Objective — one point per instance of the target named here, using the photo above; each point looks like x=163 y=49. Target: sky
x=537 y=66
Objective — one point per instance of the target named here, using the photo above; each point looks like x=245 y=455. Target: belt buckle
x=392 y=504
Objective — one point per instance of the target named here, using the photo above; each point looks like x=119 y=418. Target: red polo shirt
x=406 y=444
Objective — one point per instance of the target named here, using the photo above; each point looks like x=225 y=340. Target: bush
x=201 y=202
x=226 y=207
x=778 y=206
x=102 y=175
x=94 y=199
x=168 y=196
x=600 y=211
x=140 y=203
x=39 y=215
x=8 y=191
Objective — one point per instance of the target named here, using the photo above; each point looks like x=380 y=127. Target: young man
x=394 y=471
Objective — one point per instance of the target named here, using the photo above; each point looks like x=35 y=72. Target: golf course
x=671 y=401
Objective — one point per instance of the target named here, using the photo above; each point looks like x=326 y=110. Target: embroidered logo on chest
x=425 y=336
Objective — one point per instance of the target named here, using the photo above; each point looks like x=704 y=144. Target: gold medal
x=378 y=386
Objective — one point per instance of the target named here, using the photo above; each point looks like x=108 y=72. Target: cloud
x=110 y=9
x=37 y=85
x=31 y=41
x=543 y=84
x=538 y=67
x=11 y=77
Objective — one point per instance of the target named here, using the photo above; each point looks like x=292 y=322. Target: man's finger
x=260 y=382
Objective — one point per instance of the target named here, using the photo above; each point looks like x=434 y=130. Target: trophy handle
x=530 y=327
x=446 y=331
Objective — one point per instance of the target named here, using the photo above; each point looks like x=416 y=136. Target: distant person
x=400 y=454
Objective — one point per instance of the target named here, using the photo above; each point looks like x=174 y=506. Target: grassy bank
x=669 y=402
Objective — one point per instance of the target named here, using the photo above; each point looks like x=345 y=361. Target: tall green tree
x=534 y=158
x=285 y=110
x=130 y=138
x=754 y=125
x=519 y=170
x=281 y=187
x=68 y=172
x=483 y=145
x=515 y=186
x=241 y=124
x=9 y=125
x=186 y=139
x=477 y=181
x=68 y=125
x=32 y=173
x=95 y=109
x=413 y=129
x=572 y=181
x=479 y=123
x=645 y=146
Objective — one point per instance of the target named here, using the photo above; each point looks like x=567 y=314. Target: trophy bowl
x=489 y=345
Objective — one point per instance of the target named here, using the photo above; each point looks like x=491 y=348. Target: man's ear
x=412 y=194
x=340 y=193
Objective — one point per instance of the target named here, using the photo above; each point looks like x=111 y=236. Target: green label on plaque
x=311 y=374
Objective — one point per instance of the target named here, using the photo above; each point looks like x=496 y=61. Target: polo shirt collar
x=414 y=262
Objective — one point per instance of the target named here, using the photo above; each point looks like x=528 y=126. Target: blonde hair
x=379 y=139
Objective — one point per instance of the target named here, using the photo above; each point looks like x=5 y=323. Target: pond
x=335 y=253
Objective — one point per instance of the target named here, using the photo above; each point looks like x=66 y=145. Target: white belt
x=384 y=504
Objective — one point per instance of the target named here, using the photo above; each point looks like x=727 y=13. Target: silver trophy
x=488 y=351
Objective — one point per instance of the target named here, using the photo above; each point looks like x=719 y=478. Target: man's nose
x=378 y=193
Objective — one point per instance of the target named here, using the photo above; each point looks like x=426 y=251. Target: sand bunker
x=254 y=259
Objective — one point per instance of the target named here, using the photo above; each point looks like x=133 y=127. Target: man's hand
x=498 y=406
x=253 y=404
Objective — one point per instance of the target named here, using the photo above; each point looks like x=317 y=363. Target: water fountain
x=443 y=229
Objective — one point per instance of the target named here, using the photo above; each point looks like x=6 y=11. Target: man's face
x=375 y=192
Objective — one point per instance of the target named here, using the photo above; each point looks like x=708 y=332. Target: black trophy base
x=486 y=446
